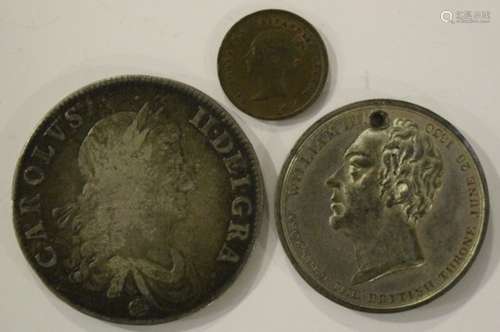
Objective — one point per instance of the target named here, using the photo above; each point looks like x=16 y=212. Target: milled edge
x=225 y=118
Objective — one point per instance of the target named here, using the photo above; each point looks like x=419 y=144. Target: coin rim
x=323 y=54
x=222 y=115
x=352 y=107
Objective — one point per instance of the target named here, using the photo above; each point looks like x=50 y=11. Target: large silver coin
x=382 y=206
x=137 y=200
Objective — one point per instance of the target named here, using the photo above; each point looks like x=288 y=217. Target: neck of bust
x=390 y=246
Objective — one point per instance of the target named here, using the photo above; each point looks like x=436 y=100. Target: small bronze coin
x=382 y=206
x=137 y=200
x=272 y=64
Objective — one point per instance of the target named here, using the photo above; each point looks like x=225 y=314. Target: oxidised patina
x=137 y=200
x=272 y=64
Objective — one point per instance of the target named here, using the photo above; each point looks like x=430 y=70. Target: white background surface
x=383 y=49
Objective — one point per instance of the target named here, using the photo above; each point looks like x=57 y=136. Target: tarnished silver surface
x=382 y=205
x=137 y=200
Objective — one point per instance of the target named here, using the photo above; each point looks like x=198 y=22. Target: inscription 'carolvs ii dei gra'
x=137 y=200
x=399 y=202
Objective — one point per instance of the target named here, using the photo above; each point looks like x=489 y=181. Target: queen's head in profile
x=385 y=187
x=134 y=194
x=269 y=59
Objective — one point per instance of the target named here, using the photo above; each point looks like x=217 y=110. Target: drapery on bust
x=387 y=183
x=121 y=224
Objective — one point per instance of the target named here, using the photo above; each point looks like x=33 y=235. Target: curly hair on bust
x=411 y=170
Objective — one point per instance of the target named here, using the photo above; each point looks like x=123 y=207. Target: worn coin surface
x=137 y=200
x=272 y=64
x=382 y=206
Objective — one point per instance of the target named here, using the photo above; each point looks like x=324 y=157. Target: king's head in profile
x=135 y=187
x=385 y=186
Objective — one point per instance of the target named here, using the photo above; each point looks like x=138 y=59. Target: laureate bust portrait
x=120 y=226
x=388 y=181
